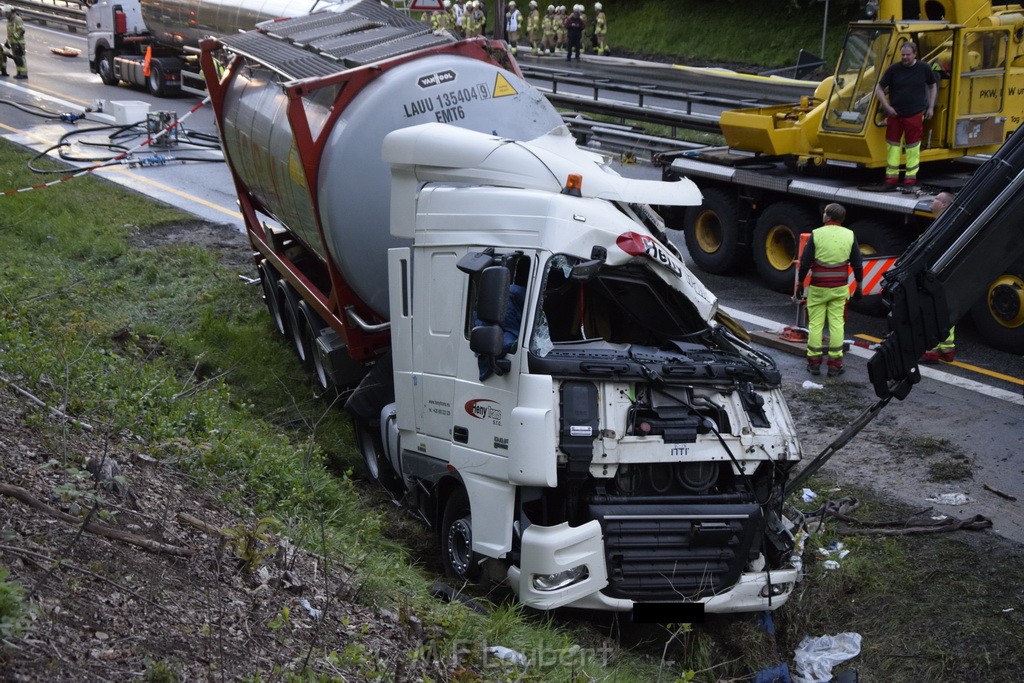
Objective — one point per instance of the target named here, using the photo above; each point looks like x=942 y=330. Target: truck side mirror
x=487 y=340
x=492 y=295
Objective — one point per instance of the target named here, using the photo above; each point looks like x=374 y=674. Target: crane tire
x=712 y=232
x=999 y=314
x=777 y=239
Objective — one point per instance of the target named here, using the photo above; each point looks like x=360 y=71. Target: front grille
x=676 y=552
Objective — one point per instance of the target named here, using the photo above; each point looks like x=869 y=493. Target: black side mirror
x=492 y=295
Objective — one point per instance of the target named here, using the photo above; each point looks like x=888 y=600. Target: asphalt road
x=977 y=401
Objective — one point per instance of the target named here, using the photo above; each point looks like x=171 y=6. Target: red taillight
x=120 y=22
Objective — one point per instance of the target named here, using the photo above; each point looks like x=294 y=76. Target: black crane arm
x=950 y=266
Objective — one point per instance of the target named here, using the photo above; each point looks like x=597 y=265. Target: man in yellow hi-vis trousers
x=830 y=253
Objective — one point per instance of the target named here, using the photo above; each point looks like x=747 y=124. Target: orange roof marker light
x=573 y=185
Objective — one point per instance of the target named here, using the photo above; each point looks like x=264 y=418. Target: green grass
x=168 y=347
x=768 y=34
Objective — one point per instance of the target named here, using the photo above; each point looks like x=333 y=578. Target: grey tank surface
x=353 y=182
x=186 y=22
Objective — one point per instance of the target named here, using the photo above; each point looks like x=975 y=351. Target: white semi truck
x=528 y=363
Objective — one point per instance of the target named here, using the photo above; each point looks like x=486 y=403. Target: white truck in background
x=529 y=365
x=154 y=43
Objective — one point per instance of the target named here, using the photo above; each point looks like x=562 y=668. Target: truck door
x=483 y=399
x=439 y=291
x=979 y=88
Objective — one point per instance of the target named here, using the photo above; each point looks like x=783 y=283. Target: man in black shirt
x=912 y=90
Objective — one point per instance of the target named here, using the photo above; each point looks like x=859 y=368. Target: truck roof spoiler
x=437 y=152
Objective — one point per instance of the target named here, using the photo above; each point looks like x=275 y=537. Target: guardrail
x=67 y=13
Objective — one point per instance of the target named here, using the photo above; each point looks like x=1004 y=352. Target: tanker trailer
x=528 y=363
x=154 y=43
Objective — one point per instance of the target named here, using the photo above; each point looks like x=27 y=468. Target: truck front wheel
x=371 y=448
x=776 y=241
x=712 y=232
x=999 y=315
x=457 y=556
x=105 y=64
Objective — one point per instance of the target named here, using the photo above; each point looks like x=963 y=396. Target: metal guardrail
x=67 y=13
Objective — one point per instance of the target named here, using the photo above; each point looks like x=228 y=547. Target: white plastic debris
x=808 y=495
x=507 y=655
x=815 y=657
x=808 y=384
x=313 y=611
x=949 y=498
x=830 y=564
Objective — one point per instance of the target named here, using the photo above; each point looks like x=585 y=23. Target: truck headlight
x=775 y=589
x=553 y=582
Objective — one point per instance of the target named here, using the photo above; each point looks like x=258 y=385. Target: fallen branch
x=999 y=493
x=27 y=498
x=210 y=529
x=975 y=523
x=42 y=404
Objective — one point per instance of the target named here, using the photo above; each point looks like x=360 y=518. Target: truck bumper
x=565 y=566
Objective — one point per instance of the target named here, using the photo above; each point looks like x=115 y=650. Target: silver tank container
x=354 y=183
x=185 y=22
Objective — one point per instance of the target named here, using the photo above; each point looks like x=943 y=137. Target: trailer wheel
x=378 y=468
x=292 y=320
x=271 y=295
x=712 y=232
x=155 y=82
x=457 y=556
x=105 y=64
x=999 y=315
x=777 y=239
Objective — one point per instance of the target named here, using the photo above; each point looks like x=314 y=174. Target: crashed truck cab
x=617 y=443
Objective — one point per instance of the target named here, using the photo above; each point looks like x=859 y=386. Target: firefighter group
x=557 y=30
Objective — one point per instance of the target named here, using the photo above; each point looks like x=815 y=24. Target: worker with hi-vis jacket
x=831 y=252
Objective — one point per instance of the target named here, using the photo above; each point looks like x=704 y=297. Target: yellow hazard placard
x=502 y=88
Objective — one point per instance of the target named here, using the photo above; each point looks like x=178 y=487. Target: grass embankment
x=165 y=347
x=733 y=32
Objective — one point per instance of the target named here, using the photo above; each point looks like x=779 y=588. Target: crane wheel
x=999 y=315
x=712 y=232
x=777 y=239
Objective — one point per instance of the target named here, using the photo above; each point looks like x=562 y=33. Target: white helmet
x=533 y=3
x=511 y=3
x=447 y=4
x=551 y=8
x=6 y=9
x=597 y=6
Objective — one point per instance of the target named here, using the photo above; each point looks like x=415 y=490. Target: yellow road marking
x=965 y=366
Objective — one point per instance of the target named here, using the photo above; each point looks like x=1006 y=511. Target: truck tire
x=712 y=232
x=105 y=65
x=378 y=468
x=876 y=238
x=777 y=239
x=457 y=556
x=292 y=320
x=155 y=81
x=310 y=326
x=999 y=315
x=271 y=295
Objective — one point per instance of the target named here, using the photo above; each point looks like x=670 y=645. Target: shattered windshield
x=628 y=322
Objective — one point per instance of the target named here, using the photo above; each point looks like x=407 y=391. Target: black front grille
x=674 y=552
